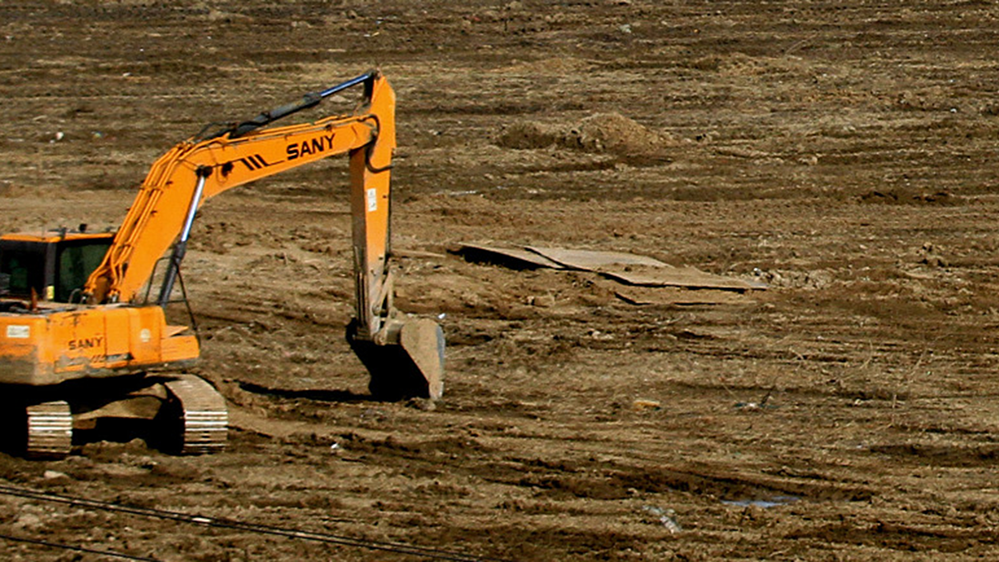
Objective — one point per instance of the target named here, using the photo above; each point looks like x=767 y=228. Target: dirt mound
x=613 y=132
x=603 y=132
x=528 y=135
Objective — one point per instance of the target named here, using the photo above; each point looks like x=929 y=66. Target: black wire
x=108 y=553
x=431 y=553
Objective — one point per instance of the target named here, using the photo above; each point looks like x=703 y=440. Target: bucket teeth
x=50 y=430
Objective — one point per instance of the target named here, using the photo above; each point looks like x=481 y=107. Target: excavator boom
x=199 y=169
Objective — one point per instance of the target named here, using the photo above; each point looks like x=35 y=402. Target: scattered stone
x=28 y=521
x=641 y=405
x=930 y=255
x=664 y=517
x=818 y=279
x=424 y=404
x=54 y=475
x=541 y=301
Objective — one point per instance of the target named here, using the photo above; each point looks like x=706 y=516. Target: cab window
x=75 y=264
x=26 y=271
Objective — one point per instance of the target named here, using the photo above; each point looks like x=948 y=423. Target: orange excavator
x=83 y=339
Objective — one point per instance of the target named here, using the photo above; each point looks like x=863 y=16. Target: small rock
x=641 y=405
x=424 y=404
x=541 y=301
x=665 y=517
x=930 y=255
x=28 y=521
x=54 y=475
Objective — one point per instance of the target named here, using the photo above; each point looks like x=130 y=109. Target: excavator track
x=202 y=413
x=50 y=430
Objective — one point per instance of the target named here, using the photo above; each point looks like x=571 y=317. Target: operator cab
x=55 y=265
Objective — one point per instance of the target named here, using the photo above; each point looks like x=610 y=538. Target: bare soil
x=843 y=152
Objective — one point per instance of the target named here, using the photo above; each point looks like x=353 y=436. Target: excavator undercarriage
x=178 y=413
x=85 y=350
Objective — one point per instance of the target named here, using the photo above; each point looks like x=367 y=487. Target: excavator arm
x=203 y=167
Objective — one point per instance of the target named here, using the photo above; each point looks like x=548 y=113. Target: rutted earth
x=841 y=152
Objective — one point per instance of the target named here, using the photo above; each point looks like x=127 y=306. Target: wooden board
x=515 y=258
x=633 y=269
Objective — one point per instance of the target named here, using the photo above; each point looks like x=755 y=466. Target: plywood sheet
x=645 y=271
x=669 y=276
x=515 y=258
x=591 y=260
x=622 y=267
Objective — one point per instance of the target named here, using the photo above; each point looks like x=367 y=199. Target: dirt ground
x=841 y=151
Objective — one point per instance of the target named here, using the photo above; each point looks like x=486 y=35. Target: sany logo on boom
x=294 y=150
x=313 y=146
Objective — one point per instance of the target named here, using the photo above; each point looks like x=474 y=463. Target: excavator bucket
x=412 y=367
